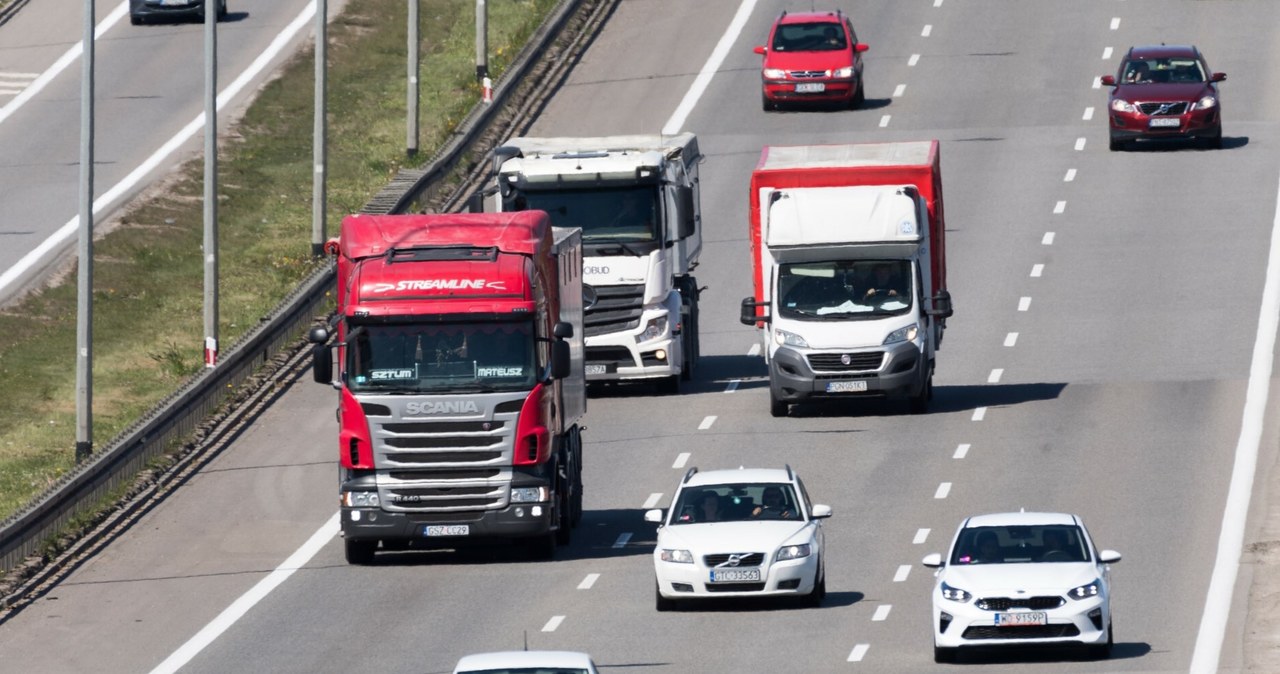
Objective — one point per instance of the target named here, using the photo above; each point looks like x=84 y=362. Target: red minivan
x=812 y=57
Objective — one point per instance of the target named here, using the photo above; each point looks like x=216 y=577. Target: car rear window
x=823 y=36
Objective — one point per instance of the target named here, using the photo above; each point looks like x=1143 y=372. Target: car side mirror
x=654 y=515
x=860 y=47
x=1218 y=77
x=759 y=50
x=933 y=561
x=1109 y=80
x=1108 y=556
x=748 y=312
x=820 y=512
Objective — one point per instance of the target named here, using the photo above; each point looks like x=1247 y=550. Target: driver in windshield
x=632 y=213
x=883 y=282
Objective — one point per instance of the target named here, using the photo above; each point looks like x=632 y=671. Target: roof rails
x=790 y=475
x=689 y=474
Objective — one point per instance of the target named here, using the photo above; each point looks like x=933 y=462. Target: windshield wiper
x=622 y=247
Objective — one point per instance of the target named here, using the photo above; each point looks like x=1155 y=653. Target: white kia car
x=526 y=662
x=739 y=533
x=1019 y=579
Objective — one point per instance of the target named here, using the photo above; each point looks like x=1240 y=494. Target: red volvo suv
x=1164 y=92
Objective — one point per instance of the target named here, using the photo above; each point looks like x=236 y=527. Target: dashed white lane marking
x=1115 y=23
x=922 y=535
x=882 y=612
x=1088 y=113
x=589 y=581
x=681 y=459
x=1037 y=270
x=1079 y=144
x=943 y=490
x=1097 y=81
x=623 y=538
x=899 y=90
x=915 y=58
x=1024 y=303
x=927 y=30
x=937 y=3
x=902 y=573
x=706 y=423
x=652 y=501
x=1011 y=339
x=1048 y=239
x=553 y=623
x=994 y=377
x=1060 y=208
x=733 y=386
x=884 y=121
x=754 y=350
x=1106 y=53
x=675 y=124
x=962 y=450
x=1071 y=175
x=979 y=414
x=859 y=652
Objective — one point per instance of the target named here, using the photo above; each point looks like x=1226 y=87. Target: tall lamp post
x=84 y=282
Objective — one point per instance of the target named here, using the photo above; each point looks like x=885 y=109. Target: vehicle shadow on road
x=945 y=399
x=1043 y=655
x=754 y=604
x=1156 y=146
x=713 y=374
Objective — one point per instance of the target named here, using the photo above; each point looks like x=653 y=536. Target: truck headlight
x=360 y=499
x=676 y=556
x=655 y=328
x=774 y=74
x=782 y=337
x=904 y=334
x=791 y=552
x=528 y=494
x=1206 y=103
x=846 y=71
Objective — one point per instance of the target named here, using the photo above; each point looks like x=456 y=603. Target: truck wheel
x=778 y=408
x=564 y=518
x=360 y=552
x=542 y=547
x=662 y=603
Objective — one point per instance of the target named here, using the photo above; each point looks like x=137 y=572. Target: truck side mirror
x=562 y=330
x=941 y=305
x=749 y=306
x=475 y=203
x=321 y=364
x=559 y=359
x=687 y=222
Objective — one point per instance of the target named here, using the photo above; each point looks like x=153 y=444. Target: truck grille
x=835 y=362
x=617 y=308
x=1006 y=603
x=1154 y=108
x=744 y=560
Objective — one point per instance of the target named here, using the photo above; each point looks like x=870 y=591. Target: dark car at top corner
x=1164 y=92
x=812 y=57
x=146 y=11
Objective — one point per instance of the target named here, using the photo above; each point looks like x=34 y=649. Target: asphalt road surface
x=1099 y=361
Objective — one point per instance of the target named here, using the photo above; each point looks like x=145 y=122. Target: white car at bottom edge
x=739 y=533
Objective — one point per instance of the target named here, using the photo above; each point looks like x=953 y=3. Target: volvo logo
x=1164 y=107
x=733 y=560
x=589 y=297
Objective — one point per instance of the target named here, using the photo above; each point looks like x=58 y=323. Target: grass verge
x=148 y=276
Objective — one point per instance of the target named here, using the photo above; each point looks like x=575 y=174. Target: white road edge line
x=588 y=582
x=677 y=120
x=1217 y=608
x=241 y=606
x=553 y=623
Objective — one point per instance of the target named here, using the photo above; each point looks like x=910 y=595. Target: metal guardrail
x=183 y=413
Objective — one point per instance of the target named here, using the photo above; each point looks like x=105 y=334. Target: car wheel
x=943 y=656
x=1214 y=142
x=136 y=20
x=778 y=408
x=860 y=97
x=1103 y=651
x=222 y=11
x=669 y=386
x=360 y=552
x=662 y=603
x=1116 y=145
x=819 y=592
x=766 y=104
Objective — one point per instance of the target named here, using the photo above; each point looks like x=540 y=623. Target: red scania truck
x=460 y=380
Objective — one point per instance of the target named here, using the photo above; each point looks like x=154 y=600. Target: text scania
x=438 y=284
x=442 y=407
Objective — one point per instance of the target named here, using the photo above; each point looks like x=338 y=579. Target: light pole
x=319 y=134
x=411 y=120
x=84 y=282
x=211 y=183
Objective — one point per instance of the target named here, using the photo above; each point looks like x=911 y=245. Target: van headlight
x=655 y=328
x=904 y=334
x=784 y=338
x=528 y=494
x=360 y=499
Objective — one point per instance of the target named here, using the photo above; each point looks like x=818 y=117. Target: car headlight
x=1206 y=103
x=955 y=594
x=846 y=71
x=782 y=337
x=677 y=556
x=360 y=499
x=528 y=494
x=1122 y=106
x=1086 y=591
x=655 y=328
x=774 y=74
x=791 y=552
x=904 y=334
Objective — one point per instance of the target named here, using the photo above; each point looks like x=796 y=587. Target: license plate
x=432 y=530
x=810 y=88
x=1021 y=619
x=597 y=369
x=846 y=386
x=734 y=575
x=1162 y=122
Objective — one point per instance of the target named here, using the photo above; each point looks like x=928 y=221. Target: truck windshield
x=613 y=214
x=839 y=290
x=418 y=357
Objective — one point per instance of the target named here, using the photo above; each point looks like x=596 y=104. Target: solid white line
x=915 y=58
x=1071 y=175
x=899 y=90
x=1106 y=53
x=962 y=451
x=994 y=377
x=241 y=606
x=1048 y=239
x=884 y=121
x=700 y=83
x=858 y=652
x=652 y=501
x=681 y=459
x=589 y=581
x=903 y=572
x=733 y=385
x=553 y=623
x=1115 y=23
x=1217 y=609
x=1059 y=208
x=927 y=30
x=1088 y=113
x=1037 y=270
x=623 y=538
x=922 y=535
x=109 y=197
x=754 y=350
x=943 y=490
x=706 y=423
x=1011 y=339
x=1024 y=303
x=1097 y=81
x=1079 y=144
x=882 y=612
x=979 y=413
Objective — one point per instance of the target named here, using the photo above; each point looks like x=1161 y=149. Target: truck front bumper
x=523 y=520
x=792 y=379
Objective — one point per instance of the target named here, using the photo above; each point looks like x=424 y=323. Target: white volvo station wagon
x=739 y=533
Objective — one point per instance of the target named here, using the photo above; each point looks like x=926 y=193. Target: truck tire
x=542 y=548
x=360 y=552
x=576 y=501
x=564 y=516
x=689 y=333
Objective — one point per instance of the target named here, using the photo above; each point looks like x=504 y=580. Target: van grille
x=834 y=362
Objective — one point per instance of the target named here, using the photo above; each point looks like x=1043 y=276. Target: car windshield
x=623 y=214
x=1162 y=71
x=824 y=36
x=845 y=289
x=737 y=503
x=423 y=357
x=1020 y=544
